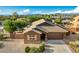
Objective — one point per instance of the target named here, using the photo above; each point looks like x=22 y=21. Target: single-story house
x=41 y=30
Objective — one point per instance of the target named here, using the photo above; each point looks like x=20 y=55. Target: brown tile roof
x=52 y=29
x=34 y=25
x=32 y=29
x=38 y=22
x=46 y=29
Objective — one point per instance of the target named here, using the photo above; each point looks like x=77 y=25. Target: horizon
x=27 y=10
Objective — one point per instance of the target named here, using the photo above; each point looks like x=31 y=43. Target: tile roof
x=52 y=29
x=46 y=29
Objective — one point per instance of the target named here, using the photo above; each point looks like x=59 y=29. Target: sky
x=24 y=10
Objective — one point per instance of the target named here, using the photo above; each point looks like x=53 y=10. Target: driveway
x=14 y=46
x=57 y=46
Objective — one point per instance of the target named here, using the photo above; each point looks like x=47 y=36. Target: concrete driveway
x=57 y=46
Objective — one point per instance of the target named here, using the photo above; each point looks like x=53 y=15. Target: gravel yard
x=14 y=46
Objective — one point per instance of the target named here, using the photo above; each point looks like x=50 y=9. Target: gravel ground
x=14 y=46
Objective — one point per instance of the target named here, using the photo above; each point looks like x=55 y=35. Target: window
x=31 y=37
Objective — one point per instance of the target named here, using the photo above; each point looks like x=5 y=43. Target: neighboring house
x=1 y=27
x=66 y=21
x=41 y=30
x=63 y=16
x=74 y=24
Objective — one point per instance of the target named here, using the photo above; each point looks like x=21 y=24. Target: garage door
x=55 y=35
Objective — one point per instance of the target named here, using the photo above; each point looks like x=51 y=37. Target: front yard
x=73 y=42
x=14 y=46
x=18 y=46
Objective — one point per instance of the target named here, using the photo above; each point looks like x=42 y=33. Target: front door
x=42 y=36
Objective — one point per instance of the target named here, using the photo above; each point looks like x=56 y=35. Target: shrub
x=77 y=49
x=58 y=21
x=34 y=50
x=73 y=45
x=27 y=49
x=42 y=48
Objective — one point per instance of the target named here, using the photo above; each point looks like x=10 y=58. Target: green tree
x=9 y=26
x=14 y=16
x=58 y=21
x=47 y=17
x=20 y=24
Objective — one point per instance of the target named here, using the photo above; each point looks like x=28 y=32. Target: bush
x=34 y=50
x=42 y=48
x=58 y=21
x=73 y=45
x=27 y=49
x=77 y=49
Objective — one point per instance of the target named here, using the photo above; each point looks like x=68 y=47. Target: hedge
x=35 y=50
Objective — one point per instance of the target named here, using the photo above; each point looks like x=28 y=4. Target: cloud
x=37 y=12
x=0 y=10
x=53 y=12
x=5 y=12
x=26 y=10
x=76 y=10
x=29 y=11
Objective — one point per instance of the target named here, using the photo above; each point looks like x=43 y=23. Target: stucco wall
x=31 y=41
x=19 y=36
x=72 y=29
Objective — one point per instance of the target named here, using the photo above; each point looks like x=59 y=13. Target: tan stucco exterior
x=51 y=31
x=31 y=41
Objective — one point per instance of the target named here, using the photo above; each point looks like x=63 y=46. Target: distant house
x=65 y=21
x=74 y=24
x=41 y=30
x=1 y=27
x=63 y=16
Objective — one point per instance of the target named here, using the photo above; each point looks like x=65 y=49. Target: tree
x=58 y=21
x=14 y=15
x=10 y=27
x=20 y=24
x=47 y=17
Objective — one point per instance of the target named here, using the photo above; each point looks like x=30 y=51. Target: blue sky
x=8 y=10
